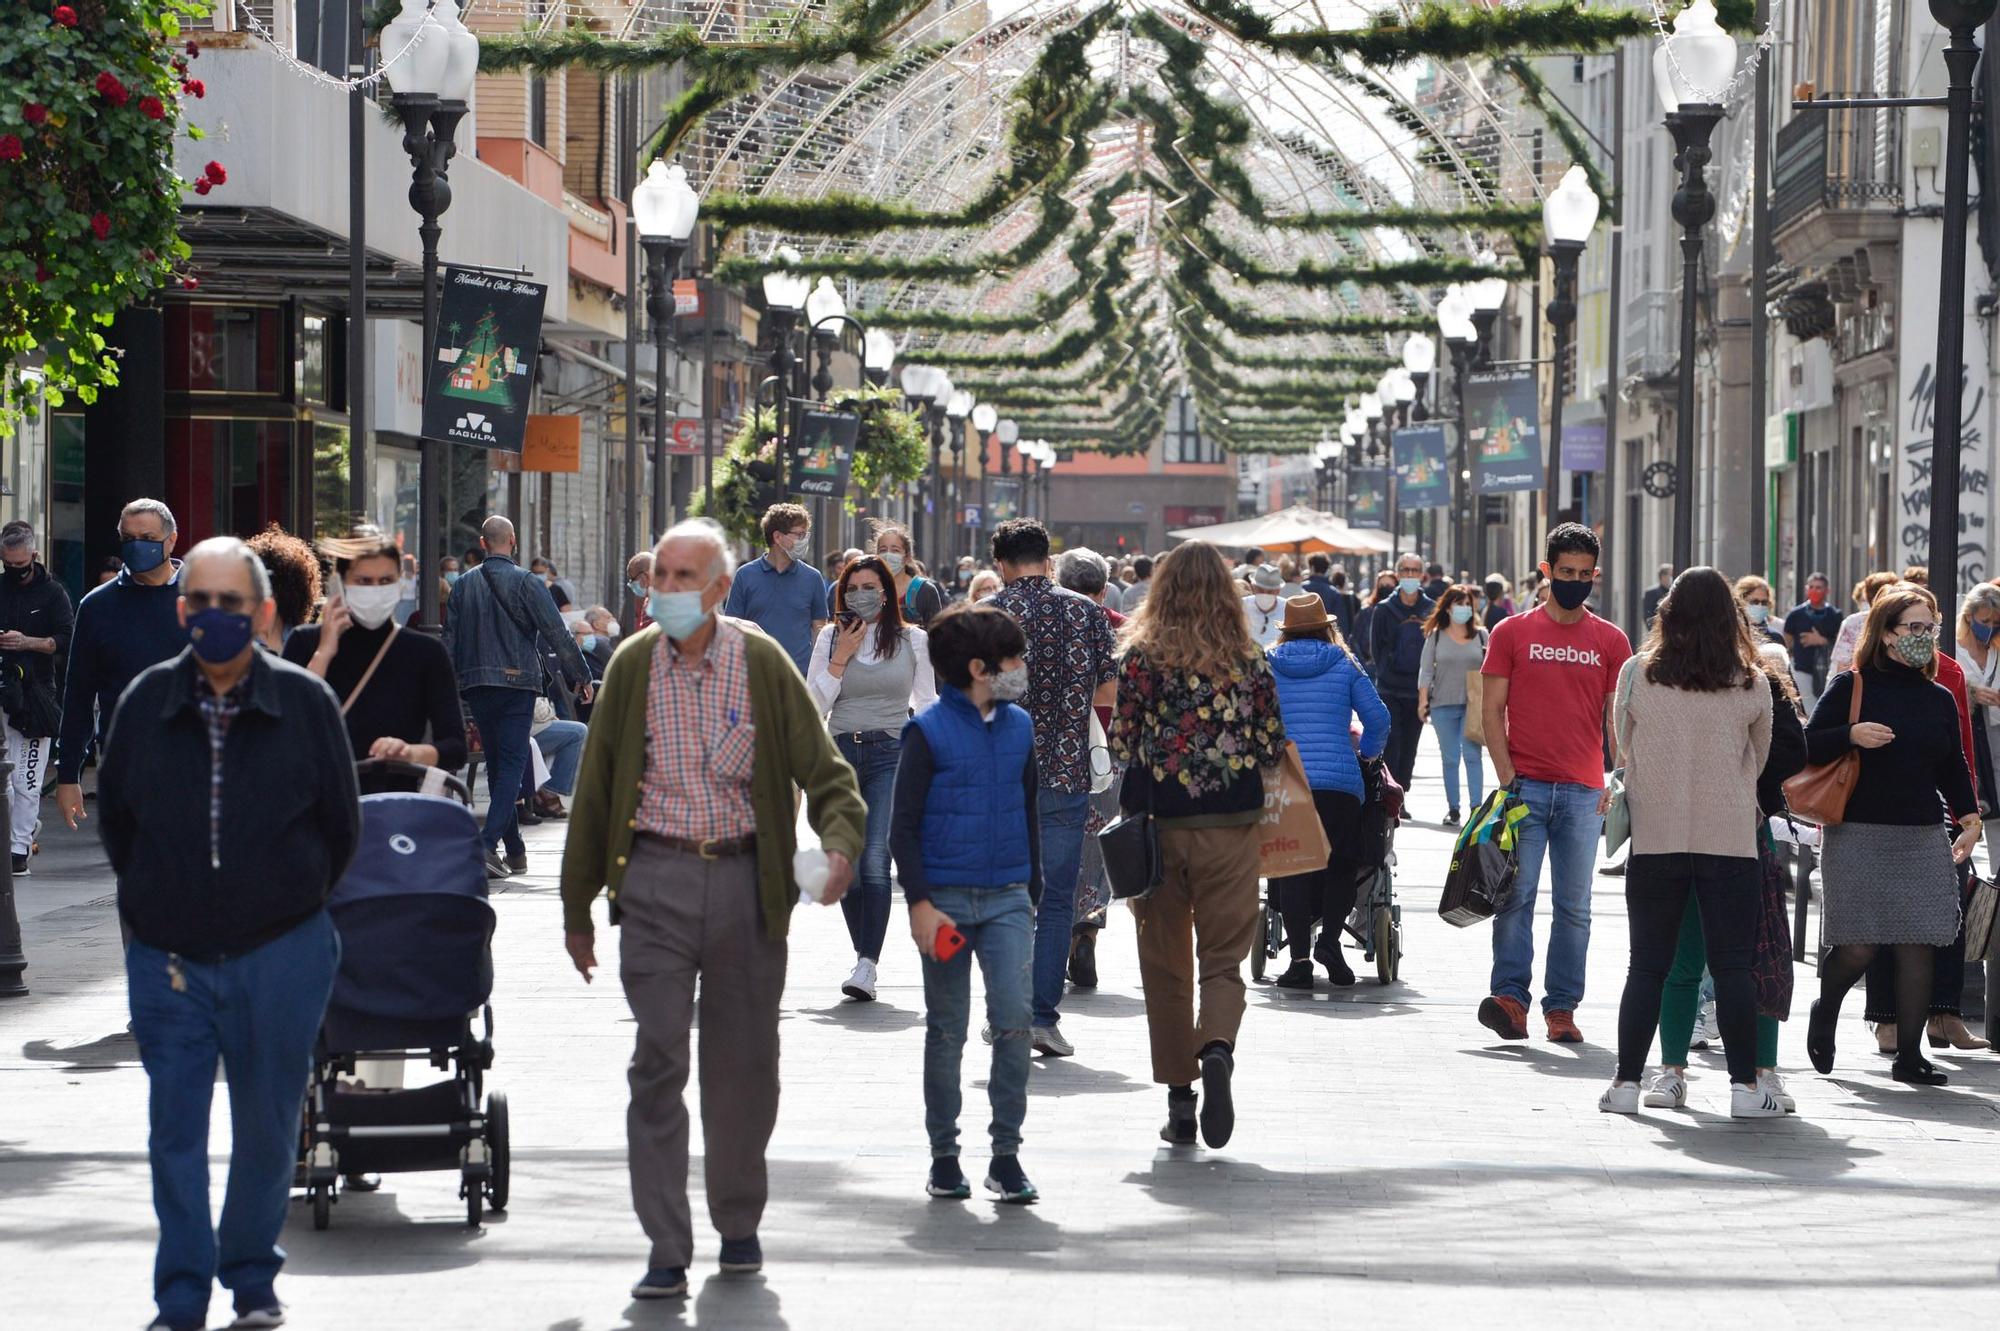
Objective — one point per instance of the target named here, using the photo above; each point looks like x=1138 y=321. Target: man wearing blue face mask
x=1395 y=656
x=229 y=808
x=684 y=814
x=639 y=582
x=122 y=627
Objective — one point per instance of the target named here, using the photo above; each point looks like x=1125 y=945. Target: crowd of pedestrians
x=964 y=740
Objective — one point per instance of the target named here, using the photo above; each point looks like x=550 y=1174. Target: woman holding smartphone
x=869 y=670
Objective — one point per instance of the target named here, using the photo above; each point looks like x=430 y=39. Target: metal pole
x=1693 y=207
x=357 y=280
x=661 y=462
x=630 y=505
x=1761 y=258
x=708 y=395
x=1563 y=254
x=1616 y=321
x=13 y=959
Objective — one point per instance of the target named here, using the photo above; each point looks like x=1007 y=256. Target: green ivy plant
x=90 y=103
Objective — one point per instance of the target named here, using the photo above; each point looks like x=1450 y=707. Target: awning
x=1298 y=530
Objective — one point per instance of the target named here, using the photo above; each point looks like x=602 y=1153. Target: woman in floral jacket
x=1196 y=727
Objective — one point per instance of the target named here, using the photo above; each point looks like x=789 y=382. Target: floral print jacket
x=1202 y=740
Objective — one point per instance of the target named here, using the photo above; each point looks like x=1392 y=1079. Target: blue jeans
x=504 y=717
x=259 y=1014
x=998 y=924
x=1449 y=723
x=561 y=743
x=1062 y=817
x=867 y=906
x=1562 y=825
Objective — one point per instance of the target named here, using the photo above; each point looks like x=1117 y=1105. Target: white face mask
x=611 y=629
x=372 y=606
x=893 y=560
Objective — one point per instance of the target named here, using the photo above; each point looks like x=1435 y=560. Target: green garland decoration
x=1536 y=90
x=857 y=28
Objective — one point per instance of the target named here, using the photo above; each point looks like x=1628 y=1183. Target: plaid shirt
x=218 y=712
x=701 y=742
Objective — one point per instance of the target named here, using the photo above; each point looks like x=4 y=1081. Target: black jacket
x=39 y=608
x=291 y=815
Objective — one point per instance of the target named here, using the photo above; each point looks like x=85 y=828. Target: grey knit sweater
x=1691 y=763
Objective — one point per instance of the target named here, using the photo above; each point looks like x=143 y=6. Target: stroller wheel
x=1260 y=946
x=322 y=1204
x=475 y=1200
x=496 y=1150
x=1387 y=936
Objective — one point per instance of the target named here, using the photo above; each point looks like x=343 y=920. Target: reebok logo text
x=1565 y=655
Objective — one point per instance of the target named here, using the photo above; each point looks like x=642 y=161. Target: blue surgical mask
x=143 y=556
x=451 y=578
x=1461 y=614
x=591 y=642
x=218 y=635
x=1984 y=632
x=679 y=614
x=1409 y=586
x=1758 y=613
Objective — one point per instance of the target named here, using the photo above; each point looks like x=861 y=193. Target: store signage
x=553 y=443
x=684 y=436
x=1503 y=430
x=482 y=362
x=1193 y=515
x=1583 y=448
x=1423 y=471
x=822 y=454
x=687 y=297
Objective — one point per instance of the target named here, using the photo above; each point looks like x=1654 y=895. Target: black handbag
x=1131 y=849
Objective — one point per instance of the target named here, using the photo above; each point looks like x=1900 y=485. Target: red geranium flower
x=152 y=108
x=65 y=16
x=10 y=148
x=111 y=90
x=193 y=49
x=190 y=282
x=214 y=172
x=35 y=113
x=202 y=186
x=197 y=87
x=100 y=224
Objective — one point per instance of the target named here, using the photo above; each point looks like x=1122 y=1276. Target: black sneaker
x=1218 y=1111
x=1180 y=1128
x=497 y=867
x=1298 y=975
x=947 y=1180
x=525 y=815
x=1083 y=959
x=742 y=1257
x=1004 y=1178
x=1451 y=818
x=20 y=866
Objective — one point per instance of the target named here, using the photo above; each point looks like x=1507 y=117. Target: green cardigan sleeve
x=603 y=804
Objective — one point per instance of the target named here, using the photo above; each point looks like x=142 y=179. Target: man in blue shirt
x=1810 y=629
x=781 y=592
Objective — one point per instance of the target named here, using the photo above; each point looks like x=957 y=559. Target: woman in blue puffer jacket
x=1320 y=690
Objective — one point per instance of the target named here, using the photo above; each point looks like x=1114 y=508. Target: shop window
x=310 y=368
x=331 y=506
x=224 y=349
x=229 y=477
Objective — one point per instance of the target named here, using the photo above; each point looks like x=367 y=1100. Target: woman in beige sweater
x=1694 y=724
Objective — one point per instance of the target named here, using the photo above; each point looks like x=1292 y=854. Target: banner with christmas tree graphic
x=1503 y=429
x=1422 y=472
x=1367 y=496
x=482 y=364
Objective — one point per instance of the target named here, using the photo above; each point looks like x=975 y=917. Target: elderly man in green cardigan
x=685 y=811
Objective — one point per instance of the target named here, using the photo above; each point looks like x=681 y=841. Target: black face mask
x=19 y=576
x=1570 y=595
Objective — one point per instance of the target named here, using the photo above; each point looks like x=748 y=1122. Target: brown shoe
x=1950 y=1030
x=1505 y=1017
x=549 y=805
x=1562 y=1027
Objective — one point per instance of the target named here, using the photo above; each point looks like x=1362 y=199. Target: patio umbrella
x=1299 y=529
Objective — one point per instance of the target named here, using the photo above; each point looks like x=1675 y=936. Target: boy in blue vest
x=968 y=852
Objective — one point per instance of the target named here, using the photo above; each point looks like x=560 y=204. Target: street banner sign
x=1583 y=448
x=482 y=364
x=1423 y=469
x=1003 y=499
x=1503 y=430
x=823 y=454
x=1367 y=496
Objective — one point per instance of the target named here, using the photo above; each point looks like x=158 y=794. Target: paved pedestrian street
x=1392 y=1164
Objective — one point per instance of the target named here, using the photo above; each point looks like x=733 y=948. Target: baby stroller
x=1376 y=922
x=416 y=963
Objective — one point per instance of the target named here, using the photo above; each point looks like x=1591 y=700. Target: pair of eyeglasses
x=234 y=603
x=1919 y=628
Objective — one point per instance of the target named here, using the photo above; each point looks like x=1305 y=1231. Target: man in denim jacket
x=499 y=623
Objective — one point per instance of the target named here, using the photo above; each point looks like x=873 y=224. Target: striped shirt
x=701 y=742
x=218 y=712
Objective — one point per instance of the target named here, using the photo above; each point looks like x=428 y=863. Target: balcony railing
x=1834 y=160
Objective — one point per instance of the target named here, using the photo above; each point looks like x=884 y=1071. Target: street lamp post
x=664 y=207
x=435 y=60
x=941 y=395
x=916 y=383
x=784 y=298
x=1008 y=432
x=1461 y=338
x=985 y=420
x=958 y=406
x=1691 y=71
x=1569 y=215
x=878 y=354
x=826 y=310
x=1487 y=295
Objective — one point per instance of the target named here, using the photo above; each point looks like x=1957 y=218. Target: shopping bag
x=1979 y=912
x=1771 y=953
x=1484 y=861
x=1290 y=838
x=1618 y=816
x=1475 y=708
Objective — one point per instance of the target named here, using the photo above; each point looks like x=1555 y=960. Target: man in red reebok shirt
x=1550 y=675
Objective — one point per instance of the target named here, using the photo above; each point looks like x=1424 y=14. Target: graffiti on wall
x=1914 y=479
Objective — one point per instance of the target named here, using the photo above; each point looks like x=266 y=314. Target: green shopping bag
x=1484 y=861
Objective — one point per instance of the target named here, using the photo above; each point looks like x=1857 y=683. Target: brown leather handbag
x=1819 y=793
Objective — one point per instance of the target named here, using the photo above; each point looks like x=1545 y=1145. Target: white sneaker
x=860 y=985
x=1769 y=1082
x=1621 y=1097
x=1048 y=1040
x=986 y=1032
x=1668 y=1089
x=1707 y=1035
x=1754 y=1102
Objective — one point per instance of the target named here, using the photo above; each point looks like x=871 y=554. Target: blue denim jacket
x=487 y=647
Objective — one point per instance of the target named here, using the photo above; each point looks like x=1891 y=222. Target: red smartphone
x=948 y=942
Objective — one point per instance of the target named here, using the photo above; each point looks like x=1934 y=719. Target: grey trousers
x=684 y=917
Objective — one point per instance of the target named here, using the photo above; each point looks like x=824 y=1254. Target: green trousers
x=1681 y=998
